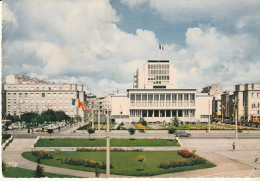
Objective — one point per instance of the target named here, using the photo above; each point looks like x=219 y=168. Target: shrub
x=6 y=136
x=57 y=150
x=86 y=163
x=4 y=167
x=140 y=160
x=185 y=153
x=39 y=172
x=104 y=149
x=42 y=154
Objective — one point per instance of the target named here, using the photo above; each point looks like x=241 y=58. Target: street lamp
x=108 y=146
x=235 y=102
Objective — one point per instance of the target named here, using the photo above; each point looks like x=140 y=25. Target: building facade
x=155 y=74
x=24 y=94
x=247 y=101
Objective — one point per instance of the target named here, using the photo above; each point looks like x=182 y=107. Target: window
x=192 y=113
x=43 y=94
x=132 y=97
x=186 y=113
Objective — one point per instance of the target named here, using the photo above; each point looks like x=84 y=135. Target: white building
x=155 y=97
x=155 y=74
x=24 y=94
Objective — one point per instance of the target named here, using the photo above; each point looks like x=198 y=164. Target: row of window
x=156 y=97
x=162 y=113
x=26 y=95
x=39 y=88
x=158 y=72
x=158 y=66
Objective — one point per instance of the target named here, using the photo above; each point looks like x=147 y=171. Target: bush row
x=86 y=163
x=104 y=149
x=183 y=162
x=42 y=154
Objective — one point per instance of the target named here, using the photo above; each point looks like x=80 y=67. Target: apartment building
x=247 y=101
x=24 y=94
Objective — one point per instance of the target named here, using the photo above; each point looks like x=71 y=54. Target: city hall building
x=155 y=97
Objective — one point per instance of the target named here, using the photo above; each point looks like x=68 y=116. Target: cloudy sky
x=101 y=43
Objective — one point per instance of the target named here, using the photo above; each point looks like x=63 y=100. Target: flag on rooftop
x=161 y=47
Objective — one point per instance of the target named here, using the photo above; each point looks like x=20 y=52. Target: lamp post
x=108 y=147
x=235 y=117
x=209 y=117
x=222 y=107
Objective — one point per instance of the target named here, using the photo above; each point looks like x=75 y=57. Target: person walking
x=234 y=146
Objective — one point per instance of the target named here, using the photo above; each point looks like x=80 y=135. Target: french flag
x=160 y=47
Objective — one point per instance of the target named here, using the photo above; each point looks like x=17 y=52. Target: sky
x=101 y=43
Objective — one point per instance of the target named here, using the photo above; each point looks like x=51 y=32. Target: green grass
x=3 y=140
x=124 y=163
x=80 y=142
x=16 y=172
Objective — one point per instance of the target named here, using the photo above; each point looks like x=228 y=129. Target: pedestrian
x=234 y=146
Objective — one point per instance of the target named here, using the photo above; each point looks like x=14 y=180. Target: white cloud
x=79 y=42
x=7 y=15
x=77 y=39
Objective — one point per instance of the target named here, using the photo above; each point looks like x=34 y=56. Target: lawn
x=124 y=163
x=3 y=140
x=16 y=172
x=80 y=142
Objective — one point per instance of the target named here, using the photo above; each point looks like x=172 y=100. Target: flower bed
x=86 y=163
x=190 y=159
x=140 y=126
x=42 y=154
x=183 y=162
x=104 y=149
x=185 y=153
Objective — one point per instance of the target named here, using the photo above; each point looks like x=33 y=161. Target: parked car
x=182 y=134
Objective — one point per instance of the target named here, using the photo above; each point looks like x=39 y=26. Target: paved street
x=215 y=146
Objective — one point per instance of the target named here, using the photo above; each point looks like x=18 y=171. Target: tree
x=39 y=172
x=175 y=121
x=131 y=131
x=51 y=114
x=171 y=131
x=140 y=160
x=90 y=131
x=50 y=131
x=142 y=121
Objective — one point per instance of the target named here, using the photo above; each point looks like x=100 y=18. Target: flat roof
x=161 y=90
x=158 y=61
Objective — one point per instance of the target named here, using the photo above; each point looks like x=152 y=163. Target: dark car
x=182 y=134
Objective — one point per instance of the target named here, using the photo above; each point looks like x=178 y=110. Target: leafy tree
x=39 y=172
x=61 y=115
x=90 y=131
x=171 y=131
x=140 y=160
x=51 y=114
x=176 y=121
x=131 y=131
x=16 y=119
x=40 y=119
x=142 y=121
x=50 y=131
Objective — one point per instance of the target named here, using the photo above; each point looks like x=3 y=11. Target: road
x=149 y=134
